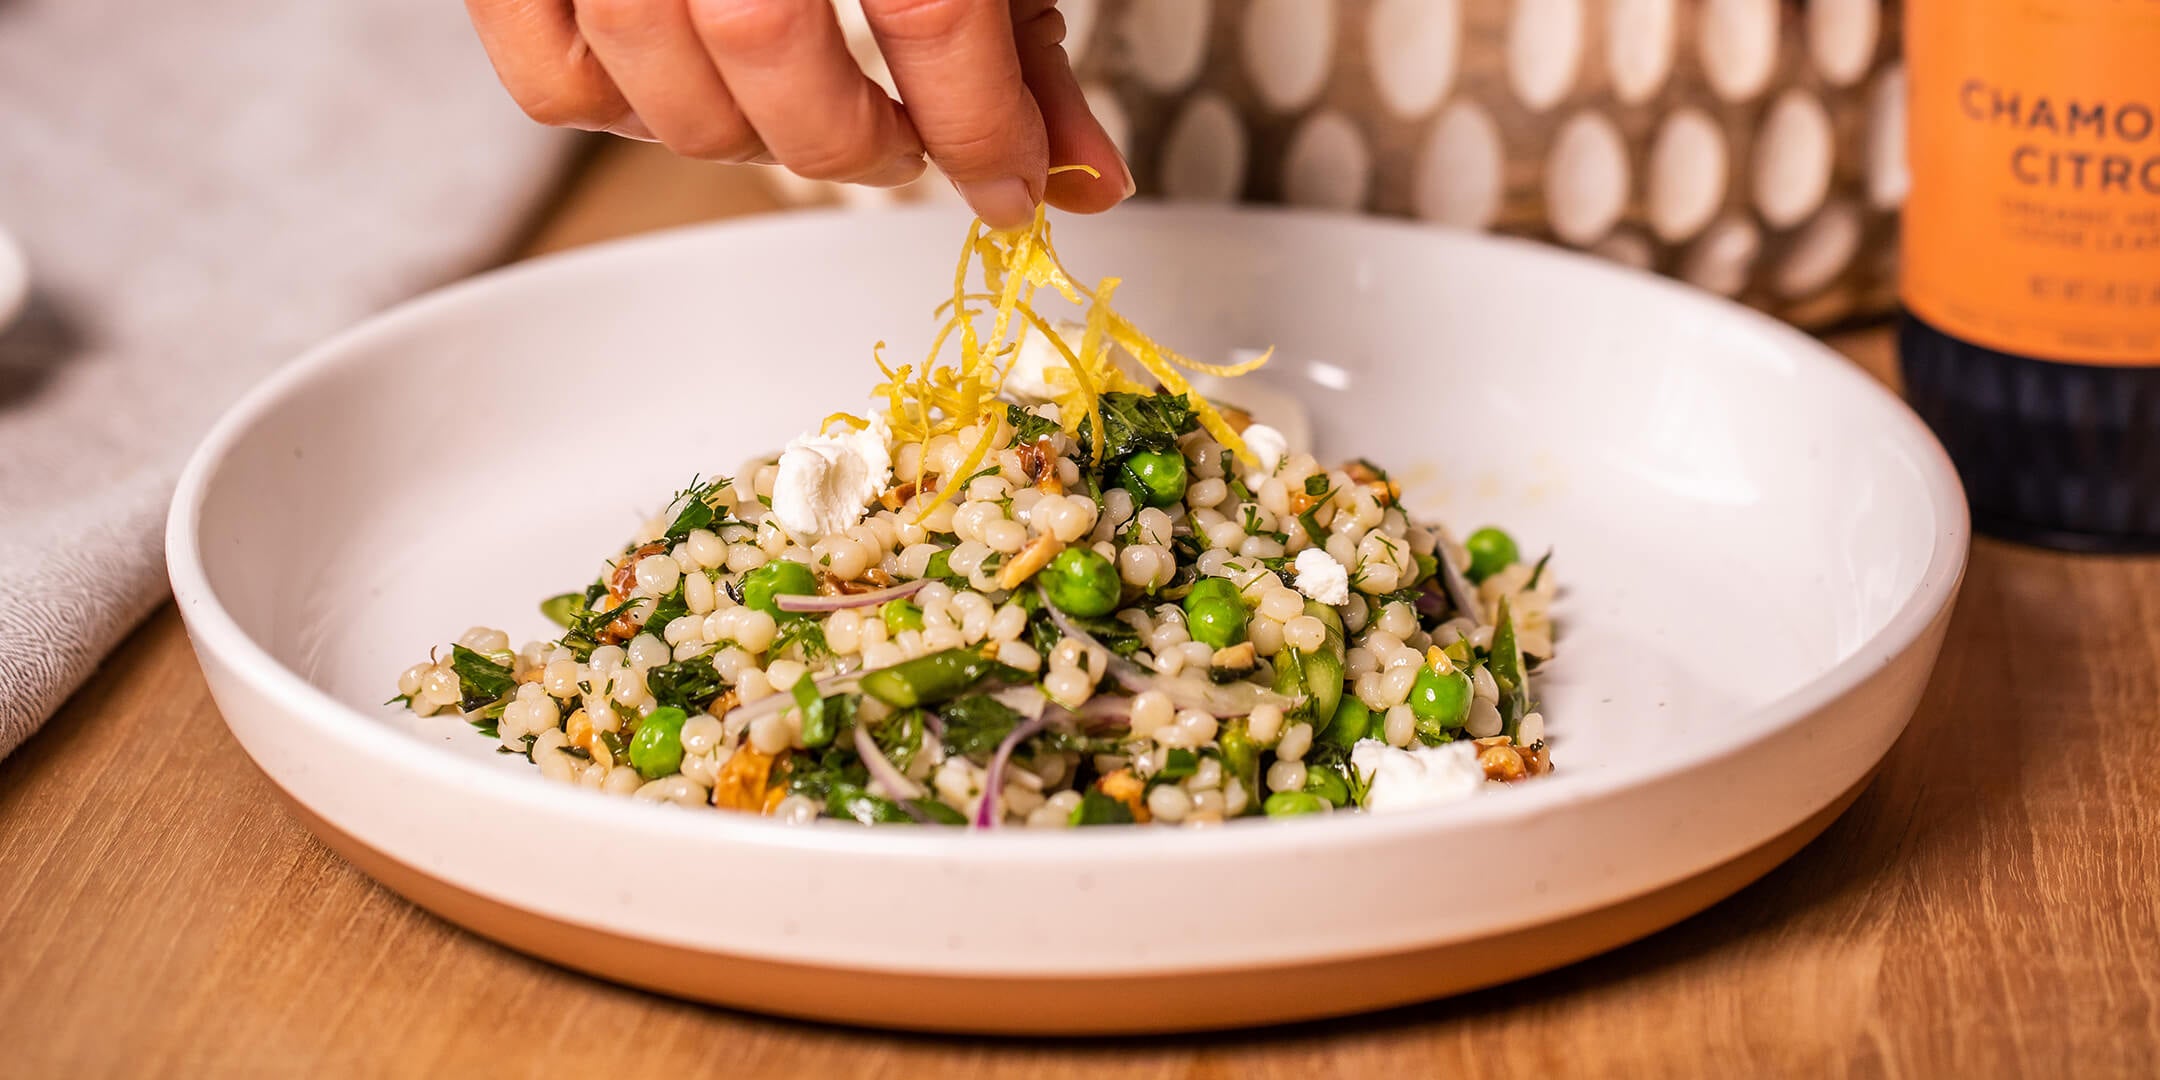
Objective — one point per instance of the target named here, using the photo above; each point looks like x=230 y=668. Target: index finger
x=958 y=70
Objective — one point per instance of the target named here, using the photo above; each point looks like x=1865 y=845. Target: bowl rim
x=215 y=632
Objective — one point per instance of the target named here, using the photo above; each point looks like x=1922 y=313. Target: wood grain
x=1991 y=906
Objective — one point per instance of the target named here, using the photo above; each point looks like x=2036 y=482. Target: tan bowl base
x=1076 y=1006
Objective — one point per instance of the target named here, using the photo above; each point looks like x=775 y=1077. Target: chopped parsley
x=1027 y=426
x=481 y=681
x=1097 y=808
x=689 y=685
x=697 y=510
x=1136 y=422
x=805 y=633
x=976 y=724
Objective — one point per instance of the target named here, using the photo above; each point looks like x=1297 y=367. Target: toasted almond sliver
x=1031 y=558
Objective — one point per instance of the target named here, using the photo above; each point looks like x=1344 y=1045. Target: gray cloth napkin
x=203 y=189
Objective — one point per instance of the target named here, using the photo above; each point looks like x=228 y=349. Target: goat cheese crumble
x=1417 y=777
x=825 y=482
x=1320 y=577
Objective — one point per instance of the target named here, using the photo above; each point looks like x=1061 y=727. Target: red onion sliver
x=882 y=770
x=795 y=604
x=986 y=812
x=782 y=700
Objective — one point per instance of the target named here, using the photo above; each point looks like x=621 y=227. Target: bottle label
x=2033 y=221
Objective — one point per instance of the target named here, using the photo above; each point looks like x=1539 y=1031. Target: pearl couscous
x=1079 y=600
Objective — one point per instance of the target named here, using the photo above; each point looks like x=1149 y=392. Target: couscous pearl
x=622 y=780
x=556 y=765
x=1151 y=709
x=1207 y=774
x=1360 y=661
x=702 y=733
x=1397 y=619
x=1206 y=494
x=882 y=654
x=657 y=574
x=1018 y=654
x=1266 y=635
x=1020 y=799
x=1356 y=614
x=1009 y=624
x=755 y=630
x=770 y=734
x=1169 y=803
x=560 y=678
x=484 y=639
x=1367 y=689
x=1286 y=776
x=1265 y=723
x=1005 y=536
x=797 y=810
x=1281 y=603
x=1261 y=547
x=1396 y=683
x=743 y=558
x=1146 y=566
x=1400 y=726
x=1068 y=687
x=1305 y=634
x=408 y=682
x=1483 y=686
x=1484 y=720
x=439 y=686
x=784 y=674
x=706 y=547
x=1197 y=728
x=1295 y=742
x=1531 y=729
x=647 y=651
x=751 y=685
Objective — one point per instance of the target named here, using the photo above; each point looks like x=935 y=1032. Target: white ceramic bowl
x=1759 y=549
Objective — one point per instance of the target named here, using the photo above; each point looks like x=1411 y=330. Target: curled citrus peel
x=942 y=397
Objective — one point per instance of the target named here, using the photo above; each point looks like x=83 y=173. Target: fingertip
x=1003 y=203
x=1077 y=192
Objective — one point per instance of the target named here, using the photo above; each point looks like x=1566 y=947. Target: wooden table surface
x=1991 y=906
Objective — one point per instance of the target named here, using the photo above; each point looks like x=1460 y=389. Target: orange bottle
x=2031 y=251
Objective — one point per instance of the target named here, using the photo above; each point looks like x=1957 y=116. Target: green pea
x=901 y=615
x=781 y=577
x=1155 y=478
x=1491 y=551
x=1215 y=613
x=1081 y=582
x=1328 y=784
x=927 y=680
x=1353 y=721
x=1293 y=803
x=656 y=751
x=1440 y=700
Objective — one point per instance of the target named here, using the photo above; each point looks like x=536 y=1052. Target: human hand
x=988 y=92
